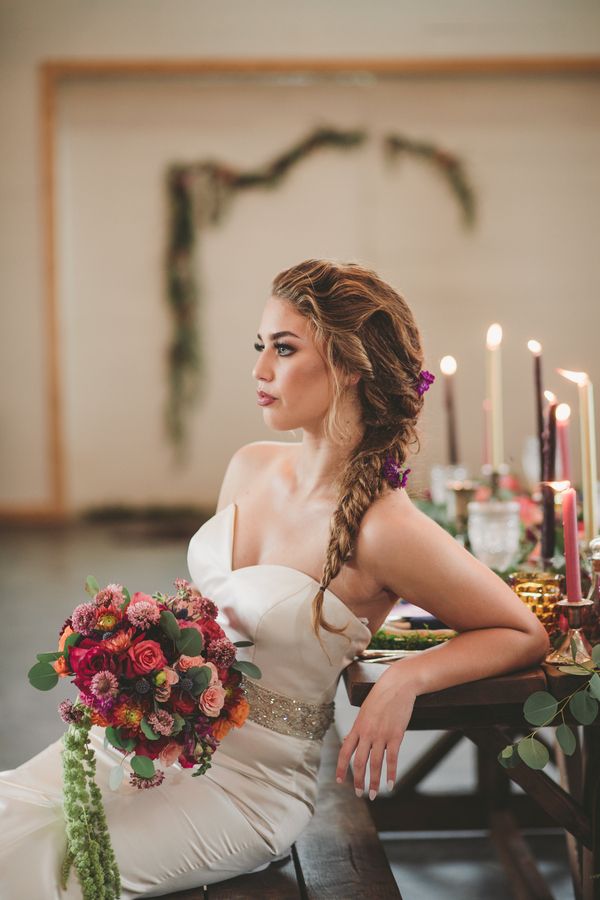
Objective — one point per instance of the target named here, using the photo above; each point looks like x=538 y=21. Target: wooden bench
x=339 y=856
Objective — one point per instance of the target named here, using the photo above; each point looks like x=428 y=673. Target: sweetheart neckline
x=233 y=571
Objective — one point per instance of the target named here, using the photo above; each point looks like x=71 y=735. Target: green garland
x=199 y=196
x=89 y=849
x=451 y=168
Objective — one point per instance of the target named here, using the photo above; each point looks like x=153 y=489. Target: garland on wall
x=199 y=195
x=450 y=167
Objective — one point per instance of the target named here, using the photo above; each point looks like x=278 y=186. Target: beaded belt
x=286 y=715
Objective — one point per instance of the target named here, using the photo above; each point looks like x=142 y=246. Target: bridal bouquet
x=161 y=677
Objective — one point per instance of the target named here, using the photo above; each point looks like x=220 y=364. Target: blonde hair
x=363 y=327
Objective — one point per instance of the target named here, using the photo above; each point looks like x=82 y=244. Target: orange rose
x=220 y=728
x=61 y=642
x=61 y=667
x=239 y=713
x=187 y=662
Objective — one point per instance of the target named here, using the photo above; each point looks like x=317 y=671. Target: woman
x=311 y=545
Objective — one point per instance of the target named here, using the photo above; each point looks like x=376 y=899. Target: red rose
x=211 y=630
x=87 y=661
x=144 y=657
x=184 y=704
x=151 y=749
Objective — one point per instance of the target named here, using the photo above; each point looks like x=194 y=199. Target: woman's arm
x=417 y=560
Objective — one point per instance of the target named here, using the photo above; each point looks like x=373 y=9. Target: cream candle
x=589 y=471
x=569 y=515
x=494 y=388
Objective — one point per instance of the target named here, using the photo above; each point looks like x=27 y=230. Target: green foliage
x=584 y=707
x=91 y=586
x=533 y=752
x=190 y=642
x=566 y=739
x=169 y=625
x=412 y=640
x=247 y=668
x=114 y=737
x=142 y=766
x=540 y=708
x=147 y=730
x=42 y=676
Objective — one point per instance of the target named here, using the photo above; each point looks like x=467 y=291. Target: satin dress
x=259 y=793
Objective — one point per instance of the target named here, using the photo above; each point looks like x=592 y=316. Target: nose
x=261 y=371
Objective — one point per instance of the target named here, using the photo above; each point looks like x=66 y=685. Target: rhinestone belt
x=286 y=715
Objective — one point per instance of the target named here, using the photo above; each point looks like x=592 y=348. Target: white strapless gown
x=259 y=793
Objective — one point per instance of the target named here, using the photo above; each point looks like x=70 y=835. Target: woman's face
x=290 y=369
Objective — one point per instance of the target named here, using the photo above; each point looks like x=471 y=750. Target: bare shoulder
x=250 y=461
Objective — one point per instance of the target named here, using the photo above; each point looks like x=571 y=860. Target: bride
x=311 y=545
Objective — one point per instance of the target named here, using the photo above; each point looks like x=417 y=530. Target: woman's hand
x=379 y=728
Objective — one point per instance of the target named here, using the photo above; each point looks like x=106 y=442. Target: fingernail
x=339 y=780
x=390 y=785
x=358 y=792
x=372 y=794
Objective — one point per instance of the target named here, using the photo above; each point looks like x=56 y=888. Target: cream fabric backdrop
x=531 y=148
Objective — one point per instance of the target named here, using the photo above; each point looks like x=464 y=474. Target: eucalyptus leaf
x=169 y=625
x=508 y=758
x=584 y=707
x=190 y=642
x=566 y=739
x=42 y=676
x=126 y=594
x=178 y=724
x=114 y=737
x=596 y=654
x=147 y=729
x=71 y=641
x=142 y=766
x=594 y=686
x=574 y=670
x=201 y=679
x=540 y=708
x=115 y=777
x=247 y=668
x=243 y=643
x=508 y=751
x=91 y=586
x=533 y=753
x=48 y=657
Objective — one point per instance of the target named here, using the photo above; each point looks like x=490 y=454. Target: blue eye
x=279 y=347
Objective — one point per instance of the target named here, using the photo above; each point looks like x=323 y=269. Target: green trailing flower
x=89 y=849
x=542 y=709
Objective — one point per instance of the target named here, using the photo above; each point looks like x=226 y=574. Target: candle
x=494 y=387
x=485 y=446
x=536 y=349
x=448 y=367
x=563 y=414
x=587 y=425
x=569 y=513
x=548 y=475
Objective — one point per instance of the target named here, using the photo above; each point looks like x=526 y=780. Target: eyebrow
x=280 y=334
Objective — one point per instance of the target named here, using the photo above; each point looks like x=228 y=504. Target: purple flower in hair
x=426 y=379
x=393 y=473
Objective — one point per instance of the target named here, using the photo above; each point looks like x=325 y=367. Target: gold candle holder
x=462 y=493
x=541 y=592
x=575 y=647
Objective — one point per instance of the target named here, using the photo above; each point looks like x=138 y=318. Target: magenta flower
x=104 y=684
x=426 y=379
x=84 y=618
x=139 y=782
x=162 y=722
x=143 y=613
x=221 y=652
x=394 y=474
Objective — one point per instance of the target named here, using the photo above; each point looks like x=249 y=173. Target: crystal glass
x=440 y=477
x=494 y=532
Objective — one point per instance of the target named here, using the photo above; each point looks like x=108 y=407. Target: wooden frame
x=53 y=73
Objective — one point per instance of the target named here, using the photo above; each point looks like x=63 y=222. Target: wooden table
x=490 y=714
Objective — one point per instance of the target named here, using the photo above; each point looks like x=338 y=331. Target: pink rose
x=144 y=657
x=212 y=700
x=168 y=755
x=187 y=662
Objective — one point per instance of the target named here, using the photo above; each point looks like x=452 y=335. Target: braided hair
x=361 y=326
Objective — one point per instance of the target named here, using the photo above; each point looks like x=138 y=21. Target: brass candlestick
x=462 y=493
x=574 y=638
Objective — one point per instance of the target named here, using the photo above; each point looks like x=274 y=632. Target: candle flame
x=563 y=412
x=579 y=378
x=550 y=397
x=494 y=336
x=535 y=347
x=448 y=365
x=558 y=486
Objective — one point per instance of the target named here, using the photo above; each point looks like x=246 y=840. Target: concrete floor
x=42 y=574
